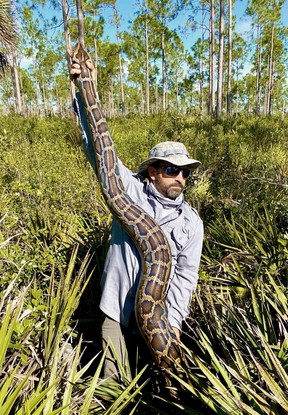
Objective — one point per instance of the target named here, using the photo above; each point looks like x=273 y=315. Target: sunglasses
x=173 y=171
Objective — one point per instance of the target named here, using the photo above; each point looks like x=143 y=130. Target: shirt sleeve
x=125 y=173
x=87 y=142
x=185 y=277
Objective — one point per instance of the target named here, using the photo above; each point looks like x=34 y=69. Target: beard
x=173 y=191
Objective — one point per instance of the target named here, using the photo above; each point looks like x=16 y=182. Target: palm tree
x=8 y=41
x=8 y=34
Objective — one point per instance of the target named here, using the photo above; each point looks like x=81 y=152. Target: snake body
x=150 y=240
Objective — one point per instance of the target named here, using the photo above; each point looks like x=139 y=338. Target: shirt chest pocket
x=178 y=238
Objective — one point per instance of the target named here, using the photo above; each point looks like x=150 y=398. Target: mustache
x=178 y=184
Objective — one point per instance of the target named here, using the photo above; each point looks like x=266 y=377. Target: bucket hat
x=172 y=152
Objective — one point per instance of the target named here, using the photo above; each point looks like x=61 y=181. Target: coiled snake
x=150 y=240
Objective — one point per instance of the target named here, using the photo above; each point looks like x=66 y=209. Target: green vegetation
x=54 y=230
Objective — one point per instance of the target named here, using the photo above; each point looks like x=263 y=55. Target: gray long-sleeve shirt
x=184 y=230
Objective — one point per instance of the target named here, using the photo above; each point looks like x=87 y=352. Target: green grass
x=54 y=233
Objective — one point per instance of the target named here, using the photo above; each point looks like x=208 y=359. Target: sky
x=128 y=8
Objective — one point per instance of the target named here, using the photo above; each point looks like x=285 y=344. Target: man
x=158 y=189
x=161 y=195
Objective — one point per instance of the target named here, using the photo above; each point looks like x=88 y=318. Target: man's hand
x=75 y=67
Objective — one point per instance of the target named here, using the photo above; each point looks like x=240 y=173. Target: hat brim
x=178 y=160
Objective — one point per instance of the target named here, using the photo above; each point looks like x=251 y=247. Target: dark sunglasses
x=173 y=171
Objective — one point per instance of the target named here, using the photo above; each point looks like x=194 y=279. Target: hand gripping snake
x=150 y=240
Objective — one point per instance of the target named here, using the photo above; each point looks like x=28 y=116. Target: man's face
x=166 y=184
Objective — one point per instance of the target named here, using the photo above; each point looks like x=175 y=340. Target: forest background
x=181 y=55
x=225 y=96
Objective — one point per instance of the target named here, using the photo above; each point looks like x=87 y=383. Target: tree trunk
x=229 y=72
x=237 y=90
x=258 y=70
x=65 y=14
x=265 y=112
x=147 y=92
x=177 y=91
x=96 y=62
x=156 y=98
x=44 y=98
x=116 y=20
x=201 y=75
x=16 y=86
x=142 y=100
x=211 y=59
x=111 y=110
x=164 y=70
x=220 y=61
x=270 y=73
x=14 y=66
x=80 y=20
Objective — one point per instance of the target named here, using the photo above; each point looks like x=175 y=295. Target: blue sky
x=128 y=8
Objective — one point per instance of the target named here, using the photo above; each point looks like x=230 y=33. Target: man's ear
x=151 y=172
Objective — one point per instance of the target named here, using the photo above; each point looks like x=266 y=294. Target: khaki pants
x=112 y=334
x=129 y=346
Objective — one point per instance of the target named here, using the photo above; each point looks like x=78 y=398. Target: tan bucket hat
x=172 y=152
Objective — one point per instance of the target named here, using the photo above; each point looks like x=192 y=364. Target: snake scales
x=150 y=240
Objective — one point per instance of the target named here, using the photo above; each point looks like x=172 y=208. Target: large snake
x=150 y=240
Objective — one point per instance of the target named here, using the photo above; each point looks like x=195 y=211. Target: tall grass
x=54 y=233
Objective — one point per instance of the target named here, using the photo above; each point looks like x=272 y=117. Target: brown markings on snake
x=150 y=240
